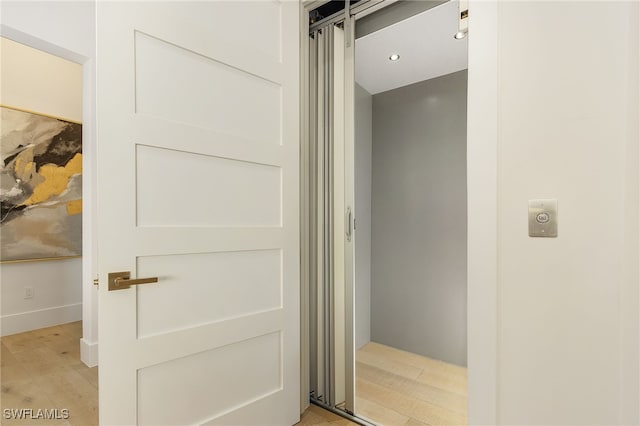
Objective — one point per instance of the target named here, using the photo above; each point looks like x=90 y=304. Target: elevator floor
x=396 y=388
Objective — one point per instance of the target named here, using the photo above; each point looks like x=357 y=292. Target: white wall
x=67 y=29
x=37 y=81
x=363 y=147
x=566 y=122
x=57 y=294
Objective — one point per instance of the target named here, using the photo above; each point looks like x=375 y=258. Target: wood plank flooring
x=317 y=416
x=397 y=388
x=41 y=369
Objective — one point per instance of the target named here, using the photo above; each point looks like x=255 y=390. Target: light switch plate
x=543 y=218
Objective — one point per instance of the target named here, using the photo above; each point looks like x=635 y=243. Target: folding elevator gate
x=329 y=198
x=331 y=222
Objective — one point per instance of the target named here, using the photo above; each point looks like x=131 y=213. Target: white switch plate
x=543 y=218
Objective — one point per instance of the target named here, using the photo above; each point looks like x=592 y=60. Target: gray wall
x=419 y=220
x=363 y=141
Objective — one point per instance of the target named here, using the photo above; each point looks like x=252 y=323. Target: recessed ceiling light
x=394 y=57
x=460 y=35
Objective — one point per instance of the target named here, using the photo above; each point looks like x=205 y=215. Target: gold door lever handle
x=122 y=280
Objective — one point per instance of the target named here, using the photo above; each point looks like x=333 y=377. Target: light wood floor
x=317 y=416
x=396 y=388
x=42 y=369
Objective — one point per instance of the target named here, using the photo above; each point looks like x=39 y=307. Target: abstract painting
x=40 y=186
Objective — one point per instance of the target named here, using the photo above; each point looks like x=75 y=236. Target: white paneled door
x=198 y=180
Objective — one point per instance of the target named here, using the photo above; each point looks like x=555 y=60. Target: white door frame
x=89 y=341
x=304 y=205
x=482 y=199
x=482 y=216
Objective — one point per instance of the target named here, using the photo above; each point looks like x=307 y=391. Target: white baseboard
x=89 y=353
x=33 y=320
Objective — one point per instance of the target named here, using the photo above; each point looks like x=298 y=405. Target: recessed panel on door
x=178 y=85
x=176 y=188
x=206 y=385
x=204 y=288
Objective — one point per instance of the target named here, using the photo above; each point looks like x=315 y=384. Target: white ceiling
x=426 y=47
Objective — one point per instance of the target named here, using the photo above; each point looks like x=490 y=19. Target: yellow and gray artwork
x=40 y=186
